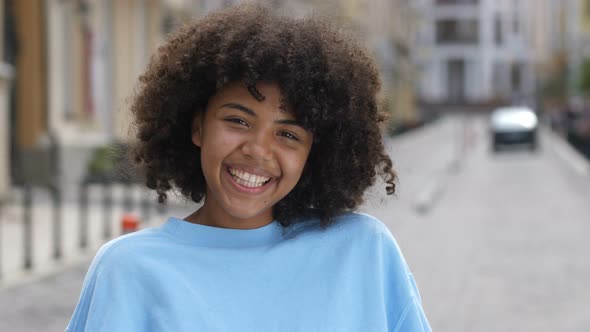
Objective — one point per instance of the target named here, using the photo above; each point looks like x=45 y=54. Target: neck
x=212 y=215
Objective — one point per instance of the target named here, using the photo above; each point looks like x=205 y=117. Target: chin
x=245 y=213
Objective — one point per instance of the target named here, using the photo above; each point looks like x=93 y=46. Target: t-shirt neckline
x=209 y=236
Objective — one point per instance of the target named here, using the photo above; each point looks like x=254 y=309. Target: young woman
x=271 y=123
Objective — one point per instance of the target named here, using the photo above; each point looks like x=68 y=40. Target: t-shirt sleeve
x=403 y=302
x=108 y=297
x=79 y=319
x=412 y=318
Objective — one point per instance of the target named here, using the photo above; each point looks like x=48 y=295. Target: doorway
x=456 y=81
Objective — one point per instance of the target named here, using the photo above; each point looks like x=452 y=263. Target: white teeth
x=248 y=179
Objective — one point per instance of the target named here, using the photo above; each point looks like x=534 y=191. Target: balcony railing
x=457 y=32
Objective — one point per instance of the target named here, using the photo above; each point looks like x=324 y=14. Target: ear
x=197 y=130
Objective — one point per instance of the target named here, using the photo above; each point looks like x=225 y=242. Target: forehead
x=266 y=94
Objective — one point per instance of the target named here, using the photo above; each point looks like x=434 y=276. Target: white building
x=478 y=51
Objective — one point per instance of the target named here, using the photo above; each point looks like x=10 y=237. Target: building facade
x=479 y=51
x=76 y=62
x=386 y=27
x=389 y=28
x=576 y=38
x=6 y=75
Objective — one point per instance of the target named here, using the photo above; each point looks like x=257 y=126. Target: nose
x=259 y=147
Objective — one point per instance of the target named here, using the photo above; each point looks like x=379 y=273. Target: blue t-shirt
x=181 y=276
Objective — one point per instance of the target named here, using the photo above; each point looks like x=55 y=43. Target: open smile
x=248 y=182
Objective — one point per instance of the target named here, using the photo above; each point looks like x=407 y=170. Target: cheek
x=213 y=152
x=219 y=143
x=295 y=165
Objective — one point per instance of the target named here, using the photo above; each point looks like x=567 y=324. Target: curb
x=568 y=154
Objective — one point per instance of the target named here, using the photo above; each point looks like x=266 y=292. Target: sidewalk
x=12 y=229
x=44 y=298
x=44 y=305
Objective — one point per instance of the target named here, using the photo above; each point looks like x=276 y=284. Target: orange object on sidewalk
x=129 y=223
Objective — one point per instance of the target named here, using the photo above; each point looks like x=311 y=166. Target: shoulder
x=367 y=227
x=368 y=232
x=347 y=222
x=111 y=285
x=399 y=287
x=362 y=227
x=356 y=229
x=361 y=222
x=124 y=250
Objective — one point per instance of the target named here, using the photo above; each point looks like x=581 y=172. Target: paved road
x=496 y=241
x=43 y=305
x=505 y=246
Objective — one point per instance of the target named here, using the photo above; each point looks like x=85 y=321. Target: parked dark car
x=514 y=125
x=578 y=132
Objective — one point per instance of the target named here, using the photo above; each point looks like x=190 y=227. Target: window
x=498 y=37
x=516 y=77
x=457 y=32
x=515 y=19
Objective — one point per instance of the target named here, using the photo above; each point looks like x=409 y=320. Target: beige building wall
x=31 y=85
x=72 y=111
x=56 y=60
x=78 y=70
x=155 y=17
x=388 y=27
x=137 y=24
x=405 y=24
x=95 y=57
x=547 y=32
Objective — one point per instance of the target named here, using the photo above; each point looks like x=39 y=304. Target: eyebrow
x=251 y=112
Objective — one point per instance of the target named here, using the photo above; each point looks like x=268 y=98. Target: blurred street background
x=496 y=237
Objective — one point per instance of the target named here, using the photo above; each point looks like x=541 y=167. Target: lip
x=248 y=190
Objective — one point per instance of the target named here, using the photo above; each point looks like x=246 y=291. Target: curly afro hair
x=325 y=76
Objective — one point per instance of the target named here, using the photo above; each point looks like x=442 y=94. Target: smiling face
x=252 y=155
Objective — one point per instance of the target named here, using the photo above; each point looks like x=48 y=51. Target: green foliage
x=108 y=163
x=556 y=87
x=584 y=78
x=102 y=161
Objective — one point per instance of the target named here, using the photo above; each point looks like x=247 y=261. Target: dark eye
x=289 y=135
x=237 y=121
